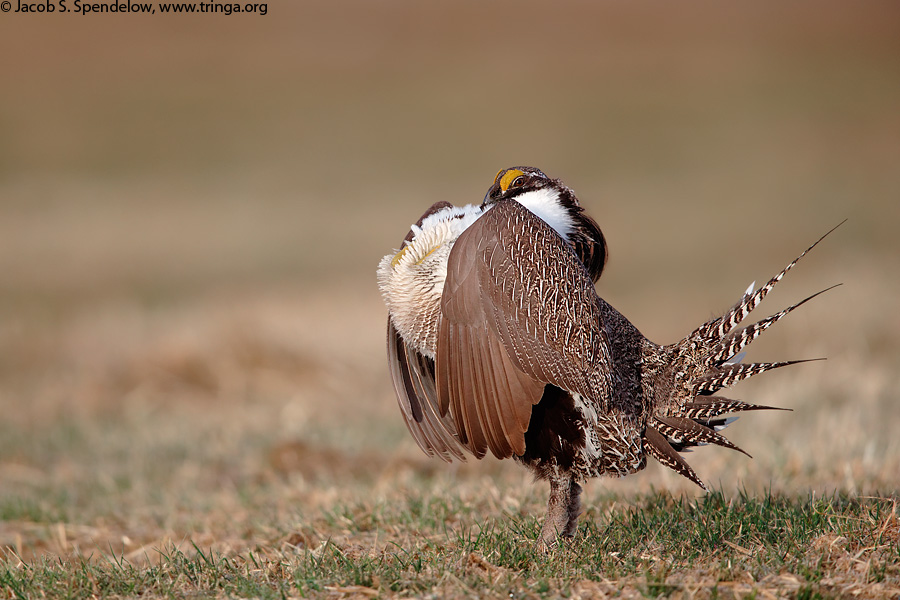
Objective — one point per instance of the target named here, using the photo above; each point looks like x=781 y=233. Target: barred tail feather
x=730 y=375
x=750 y=301
x=687 y=432
x=737 y=341
x=706 y=408
x=656 y=445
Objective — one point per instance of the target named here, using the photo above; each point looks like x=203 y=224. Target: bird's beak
x=493 y=194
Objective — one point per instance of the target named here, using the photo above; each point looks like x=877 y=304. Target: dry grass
x=237 y=427
x=192 y=384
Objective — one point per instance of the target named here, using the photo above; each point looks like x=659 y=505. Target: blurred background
x=192 y=209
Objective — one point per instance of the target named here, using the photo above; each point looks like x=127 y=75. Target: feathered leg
x=563 y=509
x=574 y=510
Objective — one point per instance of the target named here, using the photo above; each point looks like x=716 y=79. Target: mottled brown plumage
x=523 y=359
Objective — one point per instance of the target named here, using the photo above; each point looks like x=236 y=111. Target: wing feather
x=413 y=378
x=519 y=311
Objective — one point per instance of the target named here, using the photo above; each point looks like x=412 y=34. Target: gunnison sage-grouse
x=497 y=341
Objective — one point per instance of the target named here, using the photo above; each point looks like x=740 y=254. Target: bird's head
x=515 y=181
x=557 y=205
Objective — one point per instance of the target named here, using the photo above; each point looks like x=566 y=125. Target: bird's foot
x=550 y=541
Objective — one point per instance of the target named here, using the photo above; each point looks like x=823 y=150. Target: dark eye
x=518 y=181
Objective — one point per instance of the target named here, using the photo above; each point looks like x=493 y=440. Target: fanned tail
x=700 y=365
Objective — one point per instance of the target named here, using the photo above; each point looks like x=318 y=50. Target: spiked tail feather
x=738 y=340
x=687 y=432
x=706 y=408
x=750 y=301
x=727 y=377
x=660 y=449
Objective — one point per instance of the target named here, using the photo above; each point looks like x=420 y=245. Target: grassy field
x=445 y=546
x=194 y=400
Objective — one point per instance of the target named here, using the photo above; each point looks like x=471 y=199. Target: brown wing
x=413 y=377
x=519 y=311
x=412 y=374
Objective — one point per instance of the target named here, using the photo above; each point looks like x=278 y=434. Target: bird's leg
x=573 y=509
x=563 y=509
